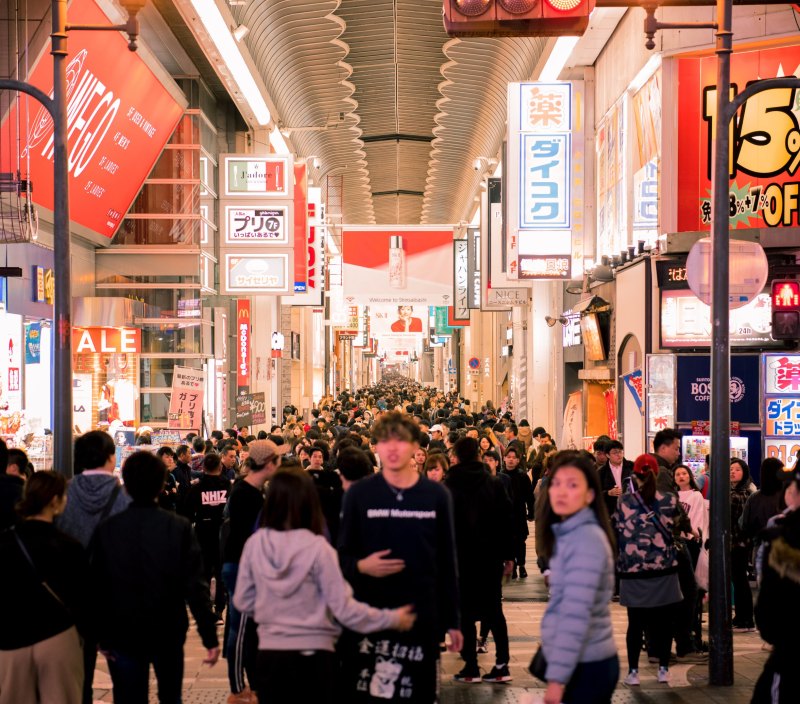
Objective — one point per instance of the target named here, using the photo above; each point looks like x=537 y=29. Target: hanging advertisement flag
x=186 y=400
x=610 y=397
x=572 y=433
x=243 y=345
x=765 y=142
x=315 y=254
x=633 y=382
x=545 y=190
x=460 y=280
x=398 y=265
x=33 y=343
x=474 y=268
x=120 y=116
x=300 y=226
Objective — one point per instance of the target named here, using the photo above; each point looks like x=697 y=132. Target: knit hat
x=645 y=464
x=262 y=451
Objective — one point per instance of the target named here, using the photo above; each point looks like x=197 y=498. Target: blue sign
x=545 y=179
x=33 y=343
x=694 y=388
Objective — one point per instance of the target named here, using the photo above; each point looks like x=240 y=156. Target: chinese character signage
x=460 y=280
x=119 y=117
x=765 y=142
x=781 y=406
x=186 y=400
x=545 y=193
x=265 y=224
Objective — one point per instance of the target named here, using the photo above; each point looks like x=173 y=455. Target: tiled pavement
x=524 y=604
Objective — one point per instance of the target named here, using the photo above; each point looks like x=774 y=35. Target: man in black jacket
x=484 y=546
x=183 y=475
x=522 y=499
x=147 y=567
x=10 y=491
x=614 y=474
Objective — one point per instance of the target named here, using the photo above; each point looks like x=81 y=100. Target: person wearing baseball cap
x=244 y=506
x=647 y=564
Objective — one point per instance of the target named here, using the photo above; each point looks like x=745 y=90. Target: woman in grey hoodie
x=577 y=639
x=291 y=584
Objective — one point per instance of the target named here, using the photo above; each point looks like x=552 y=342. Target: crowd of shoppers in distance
x=334 y=558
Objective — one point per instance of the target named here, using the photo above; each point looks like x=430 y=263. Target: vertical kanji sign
x=781 y=406
x=186 y=401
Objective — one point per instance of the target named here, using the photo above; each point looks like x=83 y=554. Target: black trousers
x=520 y=549
x=685 y=610
x=212 y=567
x=742 y=596
x=779 y=683
x=130 y=674
x=656 y=622
x=284 y=676
x=492 y=619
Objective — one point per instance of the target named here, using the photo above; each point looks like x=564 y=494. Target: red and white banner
x=119 y=118
x=398 y=265
x=243 y=332
x=186 y=400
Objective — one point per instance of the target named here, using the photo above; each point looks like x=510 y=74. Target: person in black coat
x=146 y=567
x=614 y=474
x=10 y=490
x=485 y=552
x=522 y=511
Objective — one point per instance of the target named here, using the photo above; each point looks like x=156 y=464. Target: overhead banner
x=398 y=327
x=461 y=289
x=186 y=400
x=400 y=265
x=765 y=142
x=300 y=226
x=119 y=117
x=545 y=191
x=314 y=252
x=474 y=268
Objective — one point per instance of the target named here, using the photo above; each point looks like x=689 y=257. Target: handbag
x=701 y=570
x=538 y=666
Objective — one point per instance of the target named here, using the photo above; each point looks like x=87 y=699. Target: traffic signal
x=786 y=309
x=516 y=18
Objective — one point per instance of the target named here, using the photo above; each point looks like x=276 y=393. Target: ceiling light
x=558 y=58
x=277 y=141
x=217 y=29
x=240 y=32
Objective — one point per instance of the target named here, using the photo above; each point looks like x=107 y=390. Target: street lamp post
x=720 y=663
x=62 y=303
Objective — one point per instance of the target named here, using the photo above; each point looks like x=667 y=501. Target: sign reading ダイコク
x=765 y=142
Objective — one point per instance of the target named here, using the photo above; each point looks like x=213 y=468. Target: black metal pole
x=62 y=308
x=720 y=664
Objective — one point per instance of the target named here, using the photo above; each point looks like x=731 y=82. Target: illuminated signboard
x=119 y=117
x=781 y=406
x=256 y=273
x=264 y=224
x=252 y=176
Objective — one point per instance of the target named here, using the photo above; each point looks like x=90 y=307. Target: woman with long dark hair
x=646 y=522
x=576 y=538
x=741 y=547
x=291 y=584
x=46 y=591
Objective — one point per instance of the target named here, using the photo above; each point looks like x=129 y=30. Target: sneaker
x=663 y=675
x=523 y=573
x=632 y=680
x=482 y=648
x=468 y=675
x=514 y=573
x=693 y=656
x=499 y=673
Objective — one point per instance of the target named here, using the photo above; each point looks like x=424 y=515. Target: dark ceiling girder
x=396 y=138
x=399 y=193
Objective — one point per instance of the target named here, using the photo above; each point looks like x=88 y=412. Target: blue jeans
x=592 y=682
x=131 y=673
x=241 y=644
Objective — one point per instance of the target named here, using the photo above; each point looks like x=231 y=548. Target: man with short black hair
x=169 y=496
x=667 y=451
x=10 y=490
x=143 y=587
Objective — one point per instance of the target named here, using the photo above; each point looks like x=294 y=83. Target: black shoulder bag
x=29 y=560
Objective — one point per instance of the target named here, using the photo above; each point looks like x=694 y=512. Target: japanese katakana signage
x=265 y=224
x=765 y=142
x=781 y=406
x=460 y=280
x=545 y=235
x=186 y=401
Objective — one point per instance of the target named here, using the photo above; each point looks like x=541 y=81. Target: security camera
x=477 y=164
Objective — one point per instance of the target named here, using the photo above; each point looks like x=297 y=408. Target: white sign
x=249 y=176
x=256 y=273
x=507 y=296
x=460 y=281
x=571 y=332
x=258 y=224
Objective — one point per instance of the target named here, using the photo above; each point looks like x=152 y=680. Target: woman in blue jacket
x=577 y=638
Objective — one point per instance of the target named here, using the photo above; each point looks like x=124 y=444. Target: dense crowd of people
x=335 y=557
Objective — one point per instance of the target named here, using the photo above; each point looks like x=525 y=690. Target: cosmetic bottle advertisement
x=398 y=265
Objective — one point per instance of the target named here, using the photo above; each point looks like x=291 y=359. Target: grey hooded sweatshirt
x=290 y=582
x=87 y=498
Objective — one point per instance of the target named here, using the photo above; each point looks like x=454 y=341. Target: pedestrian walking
x=741 y=548
x=522 y=507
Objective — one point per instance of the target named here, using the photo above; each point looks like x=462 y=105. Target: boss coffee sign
x=694 y=388
x=765 y=142
x=119 y=117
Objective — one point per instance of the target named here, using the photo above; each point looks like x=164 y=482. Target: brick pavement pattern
x=524 y=603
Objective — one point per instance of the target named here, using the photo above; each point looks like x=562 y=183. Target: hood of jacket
x=467 y=475
x=91 y=493
x=286 y=556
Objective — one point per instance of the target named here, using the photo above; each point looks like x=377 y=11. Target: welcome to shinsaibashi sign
x=545 y=180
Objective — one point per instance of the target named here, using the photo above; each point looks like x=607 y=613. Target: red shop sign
x=765 y=142
x=106 y=340
x=119 y=117
x=242 y=344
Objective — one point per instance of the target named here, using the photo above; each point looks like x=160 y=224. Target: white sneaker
x=663 y=675
x=632 y=680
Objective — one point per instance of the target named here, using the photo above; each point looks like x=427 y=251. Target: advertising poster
x=398 y=327
x=765 y=142
x=693 y=389
x=186 y=400
x=398 y=266
x=244 y=412
x=781 y=399
x=120 y=117
x=258 y=408
x=250 y=176
x=33 y=343
x=612 y=226
x=646 y=119
x=265 y=224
